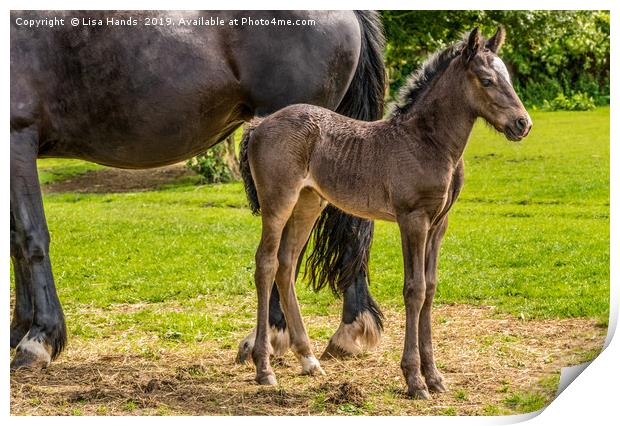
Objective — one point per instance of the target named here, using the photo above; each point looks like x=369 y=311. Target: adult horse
x=163 y=87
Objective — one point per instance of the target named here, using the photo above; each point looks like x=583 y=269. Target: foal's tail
x=244 y=165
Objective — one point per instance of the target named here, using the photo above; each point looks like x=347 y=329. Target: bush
x=577 y=102
x=547 y=52
x=536 y=92
x=212 y=165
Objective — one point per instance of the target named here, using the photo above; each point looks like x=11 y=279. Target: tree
x=547 y=52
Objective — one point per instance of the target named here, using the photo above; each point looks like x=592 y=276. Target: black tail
x=364 y=99
x=342 y=242
x=244 y=166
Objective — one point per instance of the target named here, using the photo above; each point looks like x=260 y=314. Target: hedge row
x=555 y=57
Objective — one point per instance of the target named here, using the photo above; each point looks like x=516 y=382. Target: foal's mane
x=419 y=81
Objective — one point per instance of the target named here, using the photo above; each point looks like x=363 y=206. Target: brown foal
x=407 y=169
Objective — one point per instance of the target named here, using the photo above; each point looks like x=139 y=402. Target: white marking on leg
x=280 y=341
x=310 y=365
x=40 y=350
x=245 y=347
x=362 y=334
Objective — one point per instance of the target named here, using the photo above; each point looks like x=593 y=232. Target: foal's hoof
x=418 y=394
x=315 y=371
x=31 y=355
x=310 y=366
x=269 y=380
x=435 y=385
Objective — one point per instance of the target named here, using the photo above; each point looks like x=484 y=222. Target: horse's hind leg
x=46 y=336
x=294 y=238
x=340 y=257
x=432 y=376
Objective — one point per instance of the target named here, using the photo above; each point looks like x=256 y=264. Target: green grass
x=55 y=169
x=529 y=234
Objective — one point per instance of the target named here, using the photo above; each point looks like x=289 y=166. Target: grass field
x=157 y=290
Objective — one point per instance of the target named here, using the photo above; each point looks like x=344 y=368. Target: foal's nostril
x=521 y=124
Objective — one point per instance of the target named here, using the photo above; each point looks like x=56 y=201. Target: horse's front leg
x=22 y=311
x=279 y=339
x=413 y=229
x=434 y=379
x=46 y=336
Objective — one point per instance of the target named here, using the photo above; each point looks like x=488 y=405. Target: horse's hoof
x=310 y=366
x=31 y=355
x=279 y=343
x=269 y=380
x=418 y=394
x=334 y=351
x=352 y=339
x=245 y=349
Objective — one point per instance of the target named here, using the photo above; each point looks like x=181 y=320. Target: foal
x=407 y=169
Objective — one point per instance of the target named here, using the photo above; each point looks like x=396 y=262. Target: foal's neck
x=442 y=118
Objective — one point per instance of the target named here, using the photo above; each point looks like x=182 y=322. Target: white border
x=591 y=399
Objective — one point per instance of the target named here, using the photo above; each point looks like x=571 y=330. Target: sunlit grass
x=529 y=234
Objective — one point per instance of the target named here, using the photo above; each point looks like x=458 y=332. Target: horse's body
x=406 y=169
x=137 y=97
x=145 y=96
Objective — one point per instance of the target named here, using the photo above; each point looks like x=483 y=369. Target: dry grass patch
x=493 y=364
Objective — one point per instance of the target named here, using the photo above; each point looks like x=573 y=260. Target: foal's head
x=489 y=88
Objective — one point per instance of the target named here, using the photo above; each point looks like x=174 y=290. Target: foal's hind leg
x=432 y=376
x=275 y=214
x=294 y=238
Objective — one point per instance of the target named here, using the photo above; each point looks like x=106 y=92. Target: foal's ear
x=473 y=44
x=495 y=43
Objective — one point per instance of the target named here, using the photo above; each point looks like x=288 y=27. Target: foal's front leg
x=413 y=229
x=434 y=379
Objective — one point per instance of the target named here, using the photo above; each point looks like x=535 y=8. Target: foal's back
x=363 y=168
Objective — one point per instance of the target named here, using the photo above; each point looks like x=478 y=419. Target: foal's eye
x=485 y=82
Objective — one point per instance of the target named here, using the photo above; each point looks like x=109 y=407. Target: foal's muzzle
x=519 y=128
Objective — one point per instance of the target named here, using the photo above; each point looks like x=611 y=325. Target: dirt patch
x=344 y=393
x=485 y=358
x=121 y=180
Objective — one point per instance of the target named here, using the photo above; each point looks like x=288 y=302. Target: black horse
x=163 y=89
